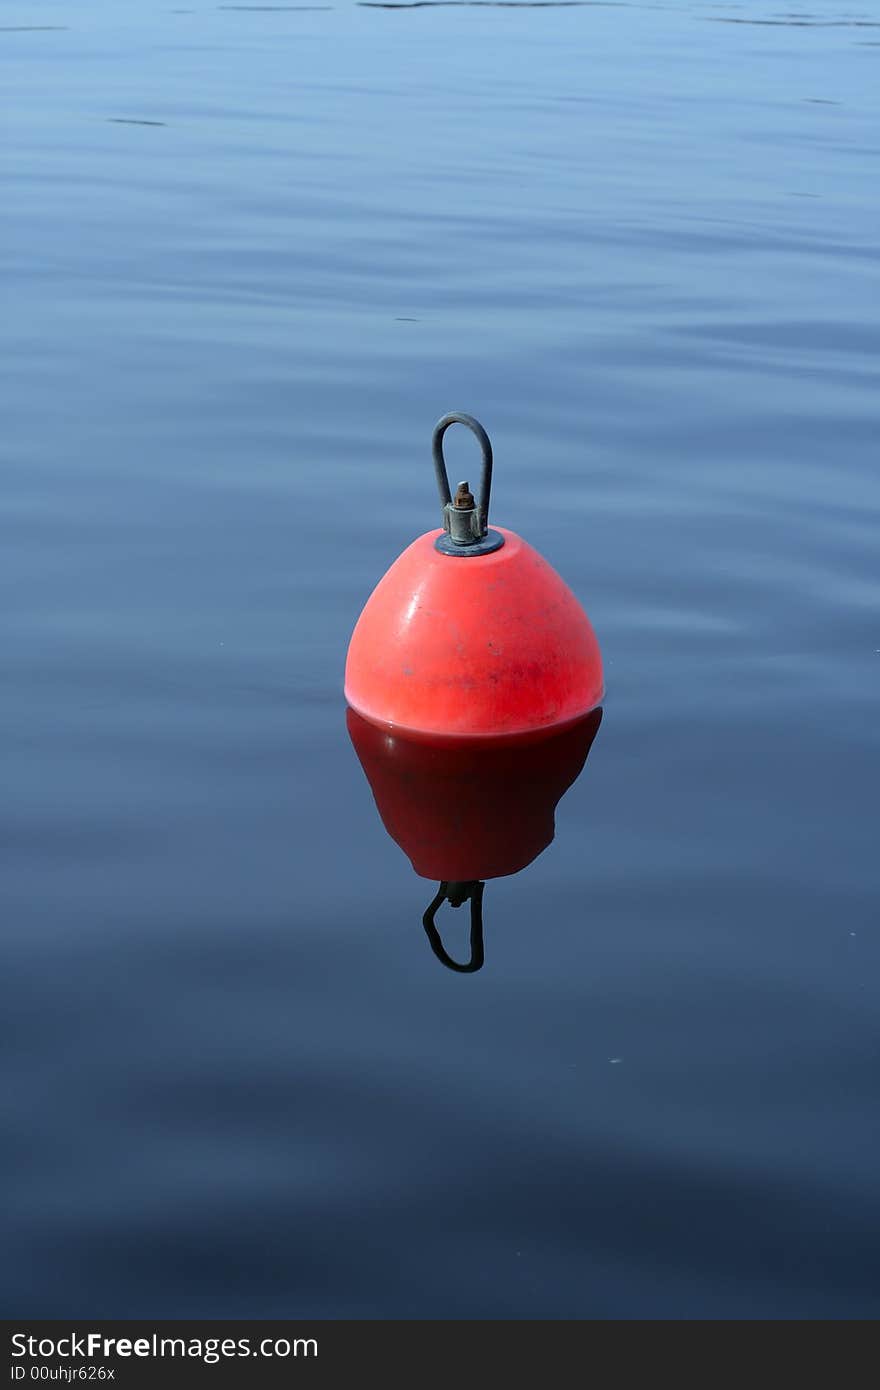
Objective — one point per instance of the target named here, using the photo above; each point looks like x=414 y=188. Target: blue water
x=640 y=243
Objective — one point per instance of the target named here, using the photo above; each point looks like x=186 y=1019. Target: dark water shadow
x=492 y=4
x=273 y=9
x=130 y=120
x=794 y=23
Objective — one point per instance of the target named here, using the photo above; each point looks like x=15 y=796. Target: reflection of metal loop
x=456 y=418
x=461 y=892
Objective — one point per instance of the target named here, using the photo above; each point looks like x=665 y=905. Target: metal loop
x=482 y=504
x=450 y=891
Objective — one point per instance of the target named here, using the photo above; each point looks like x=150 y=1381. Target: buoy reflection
x=464 y=812
x=456 y=894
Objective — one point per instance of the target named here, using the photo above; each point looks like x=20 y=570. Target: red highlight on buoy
x=471 y=633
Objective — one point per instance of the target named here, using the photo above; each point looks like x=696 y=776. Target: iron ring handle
x=458 y=418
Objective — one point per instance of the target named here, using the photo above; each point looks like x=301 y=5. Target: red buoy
x=471 y=633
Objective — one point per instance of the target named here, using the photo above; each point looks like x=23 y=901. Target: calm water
x=251 y=255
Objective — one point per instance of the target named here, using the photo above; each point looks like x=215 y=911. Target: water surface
x=252 y=253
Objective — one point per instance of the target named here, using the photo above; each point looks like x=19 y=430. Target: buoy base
x=477 y=740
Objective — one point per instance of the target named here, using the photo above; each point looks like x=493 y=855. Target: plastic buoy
x=471 y=633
